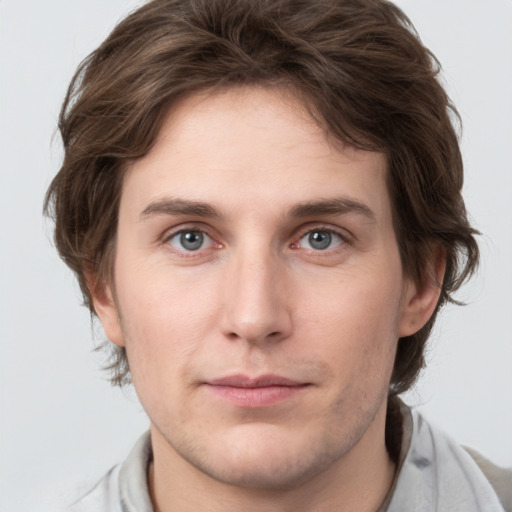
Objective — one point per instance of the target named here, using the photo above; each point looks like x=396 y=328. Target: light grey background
x=61 y=422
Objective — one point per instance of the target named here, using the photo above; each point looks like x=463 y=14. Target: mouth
x=255 y=392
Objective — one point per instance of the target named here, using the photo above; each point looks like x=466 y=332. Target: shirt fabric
x=434 y=474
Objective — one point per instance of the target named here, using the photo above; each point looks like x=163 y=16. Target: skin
x=260 y=295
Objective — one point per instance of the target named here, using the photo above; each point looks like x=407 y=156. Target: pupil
x=191 y=240
x=320 y=240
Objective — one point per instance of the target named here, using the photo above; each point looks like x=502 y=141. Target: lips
x=255 y=392
x=243 y=381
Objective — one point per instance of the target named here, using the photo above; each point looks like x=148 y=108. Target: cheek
x=165 y=320
x=355 y=320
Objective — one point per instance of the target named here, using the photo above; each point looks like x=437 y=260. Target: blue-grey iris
x=320 y=240
x=191 y=240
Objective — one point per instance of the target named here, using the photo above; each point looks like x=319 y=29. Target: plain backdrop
x=61 y=422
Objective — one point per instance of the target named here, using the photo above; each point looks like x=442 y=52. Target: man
x=261 y=202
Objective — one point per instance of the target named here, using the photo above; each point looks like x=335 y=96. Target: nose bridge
x=256 y=307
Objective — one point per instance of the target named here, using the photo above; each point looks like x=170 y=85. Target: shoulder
x=438 y=474
x=500 y=478
x=102 y=496
x=124 y=488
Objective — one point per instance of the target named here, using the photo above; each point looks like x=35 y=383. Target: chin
x=274 y=473
x=264 y=459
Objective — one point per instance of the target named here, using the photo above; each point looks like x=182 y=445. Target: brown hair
x=357 y=64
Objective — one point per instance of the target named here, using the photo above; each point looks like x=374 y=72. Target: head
x=355 y=69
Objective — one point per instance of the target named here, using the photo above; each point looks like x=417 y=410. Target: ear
x=105 y=308
x=420 y=299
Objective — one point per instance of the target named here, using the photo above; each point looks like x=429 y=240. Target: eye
x=190 y=240
x=320 y=240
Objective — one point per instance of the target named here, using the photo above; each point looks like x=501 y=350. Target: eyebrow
x=170 y=206
x=334 y=206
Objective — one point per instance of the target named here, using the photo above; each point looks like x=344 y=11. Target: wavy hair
x=357 y=64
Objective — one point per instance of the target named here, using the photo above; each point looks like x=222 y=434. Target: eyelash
x=308 y=230
x=169 y=236
x=342 y=235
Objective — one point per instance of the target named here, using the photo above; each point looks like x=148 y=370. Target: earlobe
x=420 y=299
x=106 y=309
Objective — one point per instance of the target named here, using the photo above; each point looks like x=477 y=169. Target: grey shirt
x=434 y=474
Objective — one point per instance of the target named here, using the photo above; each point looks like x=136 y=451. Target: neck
x=359 y=481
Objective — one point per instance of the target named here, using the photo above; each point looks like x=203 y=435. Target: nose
x=256 y=300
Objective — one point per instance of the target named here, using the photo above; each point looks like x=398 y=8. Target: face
x=258 y=290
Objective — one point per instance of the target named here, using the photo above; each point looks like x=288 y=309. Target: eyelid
x=204 y=238
x=169 y=234
x=346 y=235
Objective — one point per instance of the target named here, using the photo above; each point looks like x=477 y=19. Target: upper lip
x=244 y=381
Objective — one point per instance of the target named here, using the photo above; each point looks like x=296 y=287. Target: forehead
x=251 y=146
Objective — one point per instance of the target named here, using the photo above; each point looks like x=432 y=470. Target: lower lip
x=256 y=397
